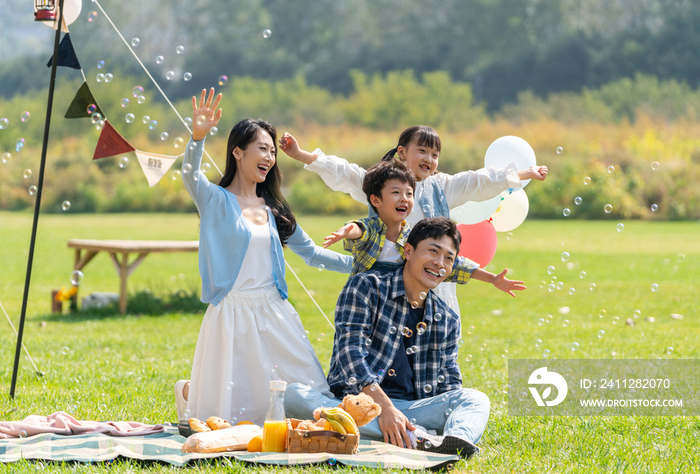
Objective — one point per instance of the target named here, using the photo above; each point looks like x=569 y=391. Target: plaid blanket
x=165 y=447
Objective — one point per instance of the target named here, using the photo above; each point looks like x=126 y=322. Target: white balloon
x=512 y=211
x=473 y=212
x=511 y=149
x=71 y=12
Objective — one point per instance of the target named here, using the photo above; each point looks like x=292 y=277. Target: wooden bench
x=123 y=248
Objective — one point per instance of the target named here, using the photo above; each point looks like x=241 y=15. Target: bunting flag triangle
x=79 y=107
x=66 y=54
x=111 y=143
x=154 y=166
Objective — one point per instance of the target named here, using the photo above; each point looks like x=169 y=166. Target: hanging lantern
x=44 y=10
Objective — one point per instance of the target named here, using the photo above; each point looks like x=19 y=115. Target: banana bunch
x=339 y=420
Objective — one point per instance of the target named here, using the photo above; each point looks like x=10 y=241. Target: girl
x=250 y=333
x=436 y=193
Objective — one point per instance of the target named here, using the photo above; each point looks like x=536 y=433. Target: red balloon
x=478 y=242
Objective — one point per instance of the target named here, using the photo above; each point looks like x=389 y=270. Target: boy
x=377 y=242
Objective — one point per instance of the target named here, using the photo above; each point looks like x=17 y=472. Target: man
x=397 y=342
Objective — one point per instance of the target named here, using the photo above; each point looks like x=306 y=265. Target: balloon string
x=152 y=79
x=15 y=331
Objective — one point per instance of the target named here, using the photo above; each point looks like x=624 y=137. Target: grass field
x=115 y=367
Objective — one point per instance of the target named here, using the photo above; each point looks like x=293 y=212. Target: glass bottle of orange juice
x=275 y=427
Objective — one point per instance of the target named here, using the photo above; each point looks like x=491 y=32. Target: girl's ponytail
x=390 y=154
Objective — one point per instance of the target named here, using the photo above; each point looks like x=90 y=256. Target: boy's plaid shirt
x=370 y=318
x=366 y=250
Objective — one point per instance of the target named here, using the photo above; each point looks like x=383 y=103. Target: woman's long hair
x=422 y=135
x=242 y=135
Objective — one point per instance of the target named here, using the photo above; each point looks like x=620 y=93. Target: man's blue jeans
x=462 y=413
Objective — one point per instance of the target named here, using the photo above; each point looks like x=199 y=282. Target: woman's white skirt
x=245 y=341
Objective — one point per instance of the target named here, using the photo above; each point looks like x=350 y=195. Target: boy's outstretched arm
x=290 y=146
x=535 y=172
x=349 y=231
x=499 y=281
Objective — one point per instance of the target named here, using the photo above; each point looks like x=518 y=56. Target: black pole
x=37 y=205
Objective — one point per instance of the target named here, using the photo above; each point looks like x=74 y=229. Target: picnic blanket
x=63 y=424
x=165 y=447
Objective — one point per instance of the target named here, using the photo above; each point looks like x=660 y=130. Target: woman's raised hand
x=205 y=115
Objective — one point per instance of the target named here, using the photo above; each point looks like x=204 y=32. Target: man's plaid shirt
x=366 y=250
x=369 y=321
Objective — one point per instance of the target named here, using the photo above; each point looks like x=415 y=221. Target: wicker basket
x=323 y=441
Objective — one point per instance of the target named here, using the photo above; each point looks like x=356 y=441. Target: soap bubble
x=141 y=99
x=578 y=200
x=582 y=275
x=102 y=407
x=178 y=142
x=565 y=323
x=32 y=190
x=611 y=169
x=574 y=346
x=170 y=75
x=159 y=59
x=27 y=173
x=554 y=279
x=471 y=330
x=442 y=272
x=422 y=295
x=654 y=287
x=65 y=351
x=332 y=462
x=266 y=33
x=95 y=118
x=421 y=328
x=655 y=165
x=560 y=150
x=352 y=380
x=213 y=131
x=572 y=291
x=504 y=354
x=543 y=284
x=680 y=258
x=19 y=144
x=566 y=212
x=229 y=386
x=187 y=413
x=551 y=287
x=393 y=330
x=146 y=119
x=76 y=277
x=620 y=227
x=6 y=157
x=180 y=49
x=427 y=445
x=241 y=411
x=438 y=317
x=99 y=125
x=25 y=116
x=4 y=123
x=669 y=350
x=137 y=91
x=391 y=372
x=637 y=313
x=538 y=342
x=601 y=334
x=427 y=388
x=602 y=313
x=130 y=118
x=368 y=342
x=441 y=378
x=509 y=235
x=22 y=434
x=565 y=256
x=135 y=42
x=654 y=208
x=100 y=77
x=65 y=205
x=188 y=121
x=586 y=180
x=615 y=320
x=125 y=102
x=608 y=208
x=187 y=76
x=123 y=162
x=545 y=353
x=100 y=64
x=223 y=79
x=414 y=304
x=380 y=373
x=152 y=124
x=593 y=286
x=560 y=285
x=92 y=16
x=551 y=270
x=468 y=358
x=175 y=175
x=109 y=77
x=186 y=168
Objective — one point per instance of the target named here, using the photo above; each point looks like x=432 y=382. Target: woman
x=250 y=333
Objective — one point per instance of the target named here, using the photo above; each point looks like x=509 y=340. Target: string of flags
x=110 y=142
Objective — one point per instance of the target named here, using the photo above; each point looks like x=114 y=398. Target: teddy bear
x=362 y=408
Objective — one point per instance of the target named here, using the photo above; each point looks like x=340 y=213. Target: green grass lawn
x=124 y=367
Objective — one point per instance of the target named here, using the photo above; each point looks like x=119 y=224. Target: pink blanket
x=63 y=424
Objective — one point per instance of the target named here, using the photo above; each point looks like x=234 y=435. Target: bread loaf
x=235 y=438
